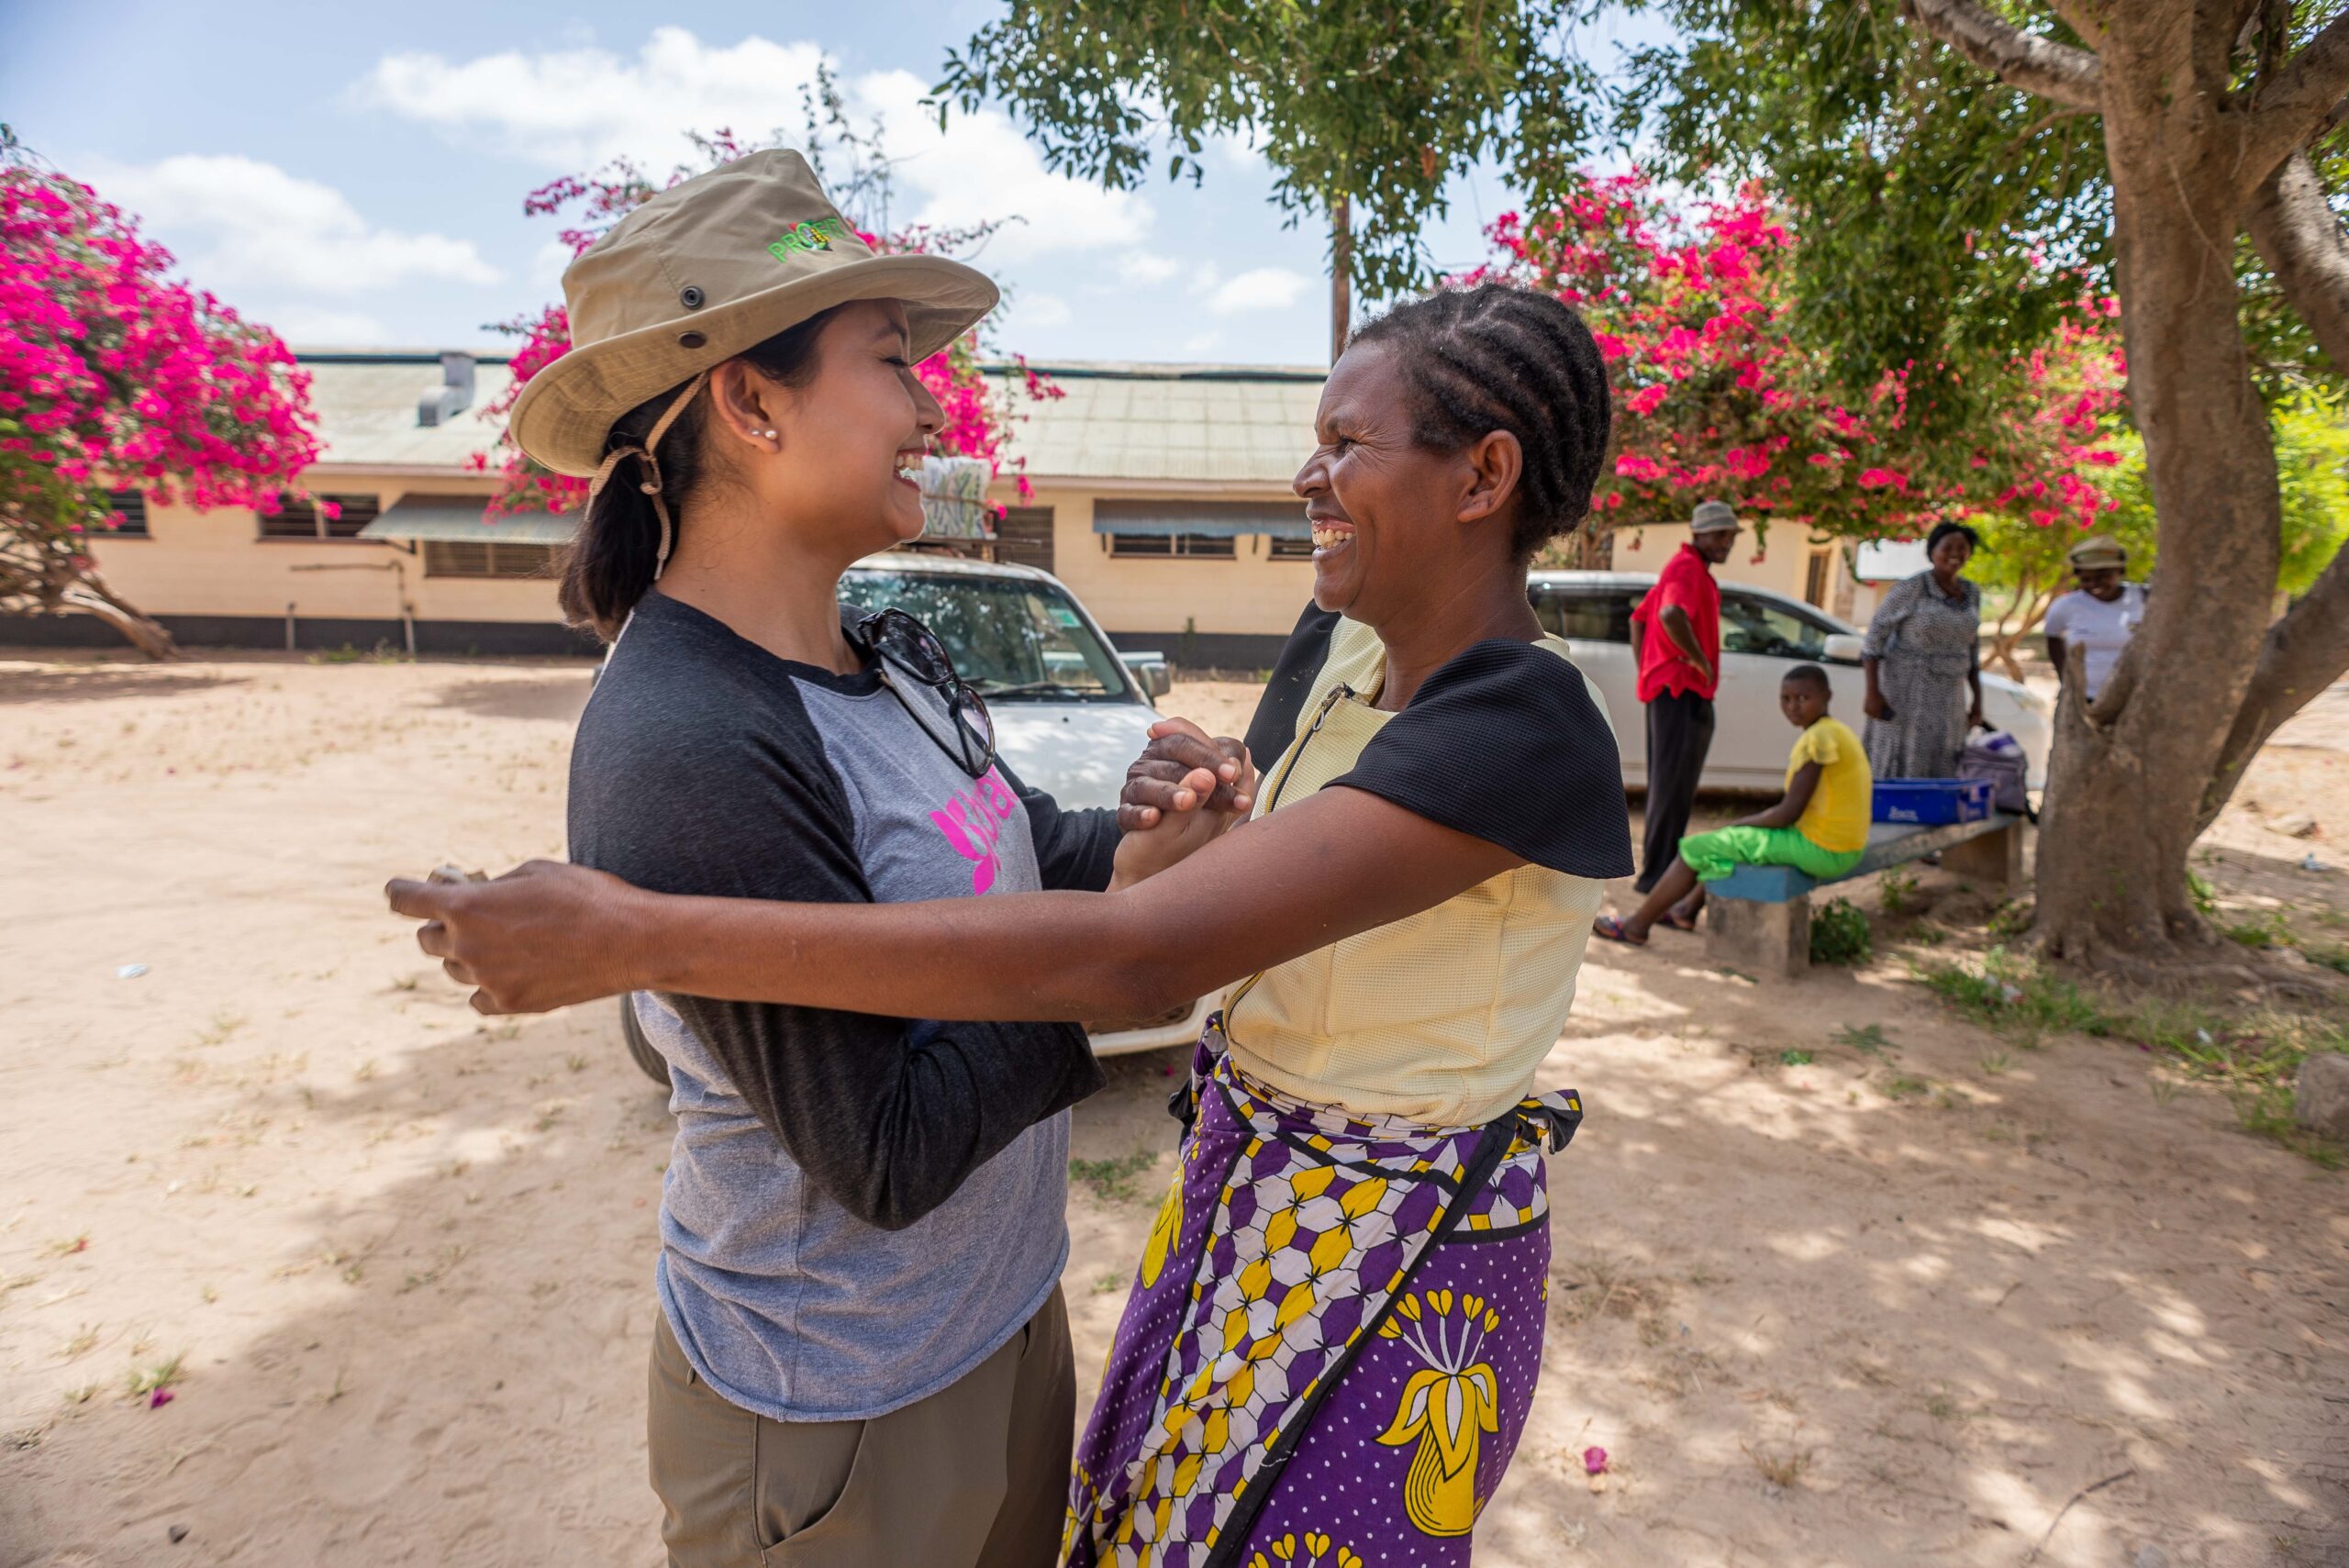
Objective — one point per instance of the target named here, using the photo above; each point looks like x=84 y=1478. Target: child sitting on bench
x=1820 y=826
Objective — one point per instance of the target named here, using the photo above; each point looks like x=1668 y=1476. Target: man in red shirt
x=1678 y=631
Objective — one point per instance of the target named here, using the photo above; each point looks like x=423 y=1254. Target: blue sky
x=354 y=175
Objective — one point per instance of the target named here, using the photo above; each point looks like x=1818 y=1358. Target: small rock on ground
x=2321 y=1093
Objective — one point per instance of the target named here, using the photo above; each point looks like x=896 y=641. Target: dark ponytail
x=611 y=563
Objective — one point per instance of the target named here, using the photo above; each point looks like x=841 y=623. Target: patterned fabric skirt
x=1332 y=1338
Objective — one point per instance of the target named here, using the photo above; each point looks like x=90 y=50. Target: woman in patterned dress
x=1336 y=1326
x=1925 y=666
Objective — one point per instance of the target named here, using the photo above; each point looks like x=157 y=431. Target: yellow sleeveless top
x=1442 y=1017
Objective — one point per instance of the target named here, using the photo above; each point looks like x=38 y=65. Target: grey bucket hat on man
x=1712 y=517
x=704 y=270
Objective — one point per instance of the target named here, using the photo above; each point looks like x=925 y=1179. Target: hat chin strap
x=651 y=484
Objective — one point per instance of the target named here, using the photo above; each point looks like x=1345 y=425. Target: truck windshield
x=1013 y=640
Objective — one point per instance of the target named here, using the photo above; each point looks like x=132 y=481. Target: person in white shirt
x=2099 y=617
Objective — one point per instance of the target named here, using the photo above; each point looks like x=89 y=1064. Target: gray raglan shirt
x=858 y=1210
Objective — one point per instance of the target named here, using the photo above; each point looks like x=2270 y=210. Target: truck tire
x=655 y=1065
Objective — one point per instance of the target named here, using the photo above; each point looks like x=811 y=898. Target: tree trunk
x=2127 y=777
x=141 y=631
x=1341 y=264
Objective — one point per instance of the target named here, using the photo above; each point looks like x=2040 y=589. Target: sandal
x=1609 y=929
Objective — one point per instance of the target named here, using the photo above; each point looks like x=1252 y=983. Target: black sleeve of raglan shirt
x=1275 y=726
x=1075 y=851
x=1506 y=743
x=725 y=791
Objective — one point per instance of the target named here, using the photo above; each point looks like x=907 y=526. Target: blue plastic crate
x=1930 y=802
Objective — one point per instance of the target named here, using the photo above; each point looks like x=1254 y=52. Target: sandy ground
x=1899 y=1306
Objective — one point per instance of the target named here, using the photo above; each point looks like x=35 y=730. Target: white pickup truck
x=1070 y=712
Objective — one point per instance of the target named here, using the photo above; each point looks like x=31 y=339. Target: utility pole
x=1341 y=256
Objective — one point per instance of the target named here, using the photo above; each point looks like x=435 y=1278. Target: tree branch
x=2301 y=655
x=2301 y=241
x=2058 y=72
x=2292 y=105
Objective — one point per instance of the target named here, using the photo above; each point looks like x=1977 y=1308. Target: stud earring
x=768 y=433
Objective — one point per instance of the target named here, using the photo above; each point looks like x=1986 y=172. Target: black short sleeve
x=1274 y=725
x=1506 y=743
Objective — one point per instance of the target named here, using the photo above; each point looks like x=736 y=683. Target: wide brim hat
x=704 y=270
x=2096 y=554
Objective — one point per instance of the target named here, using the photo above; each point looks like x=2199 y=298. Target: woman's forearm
x=1022 y=956
x=1336 y=865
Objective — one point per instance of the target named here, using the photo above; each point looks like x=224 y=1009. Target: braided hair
x=1499 y=358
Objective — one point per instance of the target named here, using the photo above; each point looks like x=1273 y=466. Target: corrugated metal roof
x=414 y=516
x=1192 y=424
x=366 y=407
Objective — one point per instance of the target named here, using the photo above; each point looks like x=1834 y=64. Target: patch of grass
x=1108 y=1282
x=2016 y=998
x=2206 y=898
x=2262 y=932
x=1781 y=1468
x=1898 y=891
x=2012 y=918
x=65 y=1246
x=146 y=1380
x=1794 y=1056
x=2254 y=1057
x=1840 y=934
x=1869 y=1040
x=1993 y=1062
x=1112 y=1181
x=1904 y=1087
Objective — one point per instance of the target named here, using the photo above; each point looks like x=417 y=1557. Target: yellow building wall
x=1785 y=566
x=196 y=563
x=1247 y=594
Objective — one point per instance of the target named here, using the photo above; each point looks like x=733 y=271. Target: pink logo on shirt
x=973 y=822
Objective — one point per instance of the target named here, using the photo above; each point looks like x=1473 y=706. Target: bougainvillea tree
x=1719 y=397
x=114 y=377
x=979 y=409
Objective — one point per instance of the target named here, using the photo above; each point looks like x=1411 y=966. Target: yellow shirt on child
x=1837 y=816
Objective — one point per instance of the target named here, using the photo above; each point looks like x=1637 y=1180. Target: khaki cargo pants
x=974 y=1477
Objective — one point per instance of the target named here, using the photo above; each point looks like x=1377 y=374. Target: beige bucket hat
x=704 y=270
x=2097 y=554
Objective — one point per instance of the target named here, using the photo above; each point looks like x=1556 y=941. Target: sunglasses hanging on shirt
x=906 y=647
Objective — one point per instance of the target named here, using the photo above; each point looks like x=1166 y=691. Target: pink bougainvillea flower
x=1594 y=1461
x=161 y=1398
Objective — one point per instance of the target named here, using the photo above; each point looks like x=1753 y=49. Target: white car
x=1070 y=712
x=1761 y=633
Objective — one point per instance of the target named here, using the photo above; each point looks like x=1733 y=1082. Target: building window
x=1814 y=588
x=1024 y=537
x=304 y=519
x=1286 y=548
x=132 y=505
x=484 y=557
x=1202 y=547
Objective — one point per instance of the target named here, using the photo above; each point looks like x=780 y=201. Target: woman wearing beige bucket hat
x=861 y=1355
x=2098 y=618
x=1336 y=1326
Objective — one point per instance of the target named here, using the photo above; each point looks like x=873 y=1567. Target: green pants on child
x=1714 y=855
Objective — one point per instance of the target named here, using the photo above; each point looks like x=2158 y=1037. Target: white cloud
x=1202 y=343
x=1039 y=310
x=1144 y=269
x=1260 y=288
x=981 y=168
x=236 y=222
x=574 y=109
x=548 y=263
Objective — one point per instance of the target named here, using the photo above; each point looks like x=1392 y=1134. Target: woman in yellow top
x=1820 y=826
x=1336 y=1326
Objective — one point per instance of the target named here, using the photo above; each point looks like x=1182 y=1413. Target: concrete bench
x=1757 y=919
